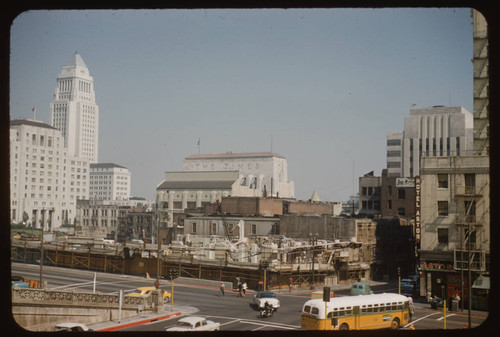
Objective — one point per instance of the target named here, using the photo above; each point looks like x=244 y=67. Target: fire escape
x=481 y=86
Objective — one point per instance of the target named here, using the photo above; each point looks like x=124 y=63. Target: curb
x=144 y=321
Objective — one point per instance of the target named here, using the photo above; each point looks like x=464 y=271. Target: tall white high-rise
x=74 y=110
x=430 y=132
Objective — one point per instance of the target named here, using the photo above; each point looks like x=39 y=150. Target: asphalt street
x=233 y=312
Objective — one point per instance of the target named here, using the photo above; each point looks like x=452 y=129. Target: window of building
x=193 y=228
x=442 y=180
x=393 y=142
x=254 y=229
x=389 y=204
x=401 y=193
x=470 y=211
x=442 y=208
x=401 y=211
x=390 y=189
x=393 y=153
x=395 y=164
x=214 y=228
x=363 y=190
x=470 y=183
x=442 y=235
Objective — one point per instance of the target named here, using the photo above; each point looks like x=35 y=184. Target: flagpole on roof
x=34 y=113
x=199 y=146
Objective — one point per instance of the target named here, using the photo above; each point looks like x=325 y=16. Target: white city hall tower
x=74 y=111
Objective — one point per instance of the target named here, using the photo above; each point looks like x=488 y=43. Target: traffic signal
x=173 y=274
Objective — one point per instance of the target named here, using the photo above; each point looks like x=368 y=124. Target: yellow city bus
x=361 y=312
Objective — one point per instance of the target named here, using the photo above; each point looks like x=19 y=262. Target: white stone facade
x=74 y=110
x=431 y=132
x=45 y=181
x=260 y=173
x=109 y=181
x=188 y=190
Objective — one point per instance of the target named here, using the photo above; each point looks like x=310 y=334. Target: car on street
x=195 y=323
x=407 y=287
x=72 y=327
x=361 y=288
x=146 y=291
x=262 y=297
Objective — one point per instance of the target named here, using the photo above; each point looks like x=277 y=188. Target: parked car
x=145 y=291
x=19 y=282
x=195 y=323
x=437 y=303
x=266 y=296
x=361 y=288
x=72 y=327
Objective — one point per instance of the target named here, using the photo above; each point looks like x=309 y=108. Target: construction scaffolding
x=299 y=263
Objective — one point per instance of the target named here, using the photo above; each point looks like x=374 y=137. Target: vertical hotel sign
x=417 y=209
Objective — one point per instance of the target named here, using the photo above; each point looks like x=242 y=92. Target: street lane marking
x=272 y=325
x=230 y=322
x=441 y=318
x=421 y=318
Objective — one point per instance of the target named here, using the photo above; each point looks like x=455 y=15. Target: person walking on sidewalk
x=240 y=289
x=221 y=289
x=244 y=288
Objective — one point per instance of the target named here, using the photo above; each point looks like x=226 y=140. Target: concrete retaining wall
x=42 y=309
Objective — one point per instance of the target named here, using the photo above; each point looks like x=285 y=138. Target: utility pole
x=159 y=242
x=313 y=240
x=41 y=248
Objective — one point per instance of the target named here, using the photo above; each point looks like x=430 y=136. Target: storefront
x=438 y=279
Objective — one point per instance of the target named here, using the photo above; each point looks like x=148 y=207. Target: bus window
x=348 y=312
x=394 y=306
x=315 y=311
x=307 y=309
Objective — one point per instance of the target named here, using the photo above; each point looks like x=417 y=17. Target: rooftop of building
x=438 y=109
x=105 y=165
x=31 y=122
x=228 y=155
x=76 y=60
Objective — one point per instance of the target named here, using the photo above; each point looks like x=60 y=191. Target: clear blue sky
x=327 y=84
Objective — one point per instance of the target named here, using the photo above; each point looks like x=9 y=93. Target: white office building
x=74 y=110
x=430 y=132
x=260 y=173
x=109 y=181
x=45 y=181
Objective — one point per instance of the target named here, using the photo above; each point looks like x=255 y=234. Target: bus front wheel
x=395 y=324
x=344 y=326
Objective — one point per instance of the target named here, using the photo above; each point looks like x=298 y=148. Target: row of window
x=213 y=228
x=347 y=311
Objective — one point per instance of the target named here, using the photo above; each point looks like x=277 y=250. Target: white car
x=195 y=323
x=72 y=327
x=266 y=296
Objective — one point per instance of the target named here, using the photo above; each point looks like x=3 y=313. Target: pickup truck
x=195 y=323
